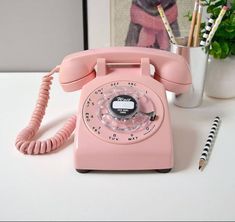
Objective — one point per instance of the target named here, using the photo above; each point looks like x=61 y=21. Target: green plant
x=223 y=42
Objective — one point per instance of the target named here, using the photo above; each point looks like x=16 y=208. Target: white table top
x=48 y=187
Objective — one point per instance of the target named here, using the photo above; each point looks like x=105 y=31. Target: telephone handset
x=123 y=120
x=171 y=70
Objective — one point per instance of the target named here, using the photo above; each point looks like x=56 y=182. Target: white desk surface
x=48 y=187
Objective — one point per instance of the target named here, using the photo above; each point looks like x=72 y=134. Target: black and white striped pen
x=207 y=31
x=209 y=143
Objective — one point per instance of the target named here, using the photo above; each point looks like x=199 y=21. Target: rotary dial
x=123 y=112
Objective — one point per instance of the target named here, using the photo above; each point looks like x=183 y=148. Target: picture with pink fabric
x=146 y=28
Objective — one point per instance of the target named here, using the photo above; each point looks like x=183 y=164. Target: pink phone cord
x=24 y=142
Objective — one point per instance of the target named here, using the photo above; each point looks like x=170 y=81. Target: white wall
x=36 y=35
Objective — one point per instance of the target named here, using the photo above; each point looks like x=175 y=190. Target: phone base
x=107 y=144
x=164 y=170
x=82 y=171
x=159 y=171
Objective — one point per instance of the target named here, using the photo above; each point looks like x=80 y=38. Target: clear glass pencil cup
x=197 y=59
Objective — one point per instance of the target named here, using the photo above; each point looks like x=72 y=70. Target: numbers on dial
x=131 y=84
x=89 y=103
x=149 y=129
x=114 y=137
x=132 y=137
x=103 y=123
x=96 y=129
x=99 y=91
x=89 y=117
x=113 y=84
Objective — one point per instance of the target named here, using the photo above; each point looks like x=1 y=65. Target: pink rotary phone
x=123 y=119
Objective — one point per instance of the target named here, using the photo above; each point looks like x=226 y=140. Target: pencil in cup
x=209 y=143
x=193 y=22
x=207 y=31
x=216 y=25
x=198 y=27
x=166 y=24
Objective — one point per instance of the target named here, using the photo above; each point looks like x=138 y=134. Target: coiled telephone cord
x=24 y=141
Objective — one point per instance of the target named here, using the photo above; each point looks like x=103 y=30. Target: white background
x=48 y=187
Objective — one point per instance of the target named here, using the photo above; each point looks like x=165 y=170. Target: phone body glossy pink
x=115 y=128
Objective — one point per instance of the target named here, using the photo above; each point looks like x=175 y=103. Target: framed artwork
x=137 y=22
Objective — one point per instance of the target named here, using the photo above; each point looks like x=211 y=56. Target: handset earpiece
x=74 y=74
x=79 y=83
x=174 y=76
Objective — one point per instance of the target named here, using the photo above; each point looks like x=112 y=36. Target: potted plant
x=220 y=82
